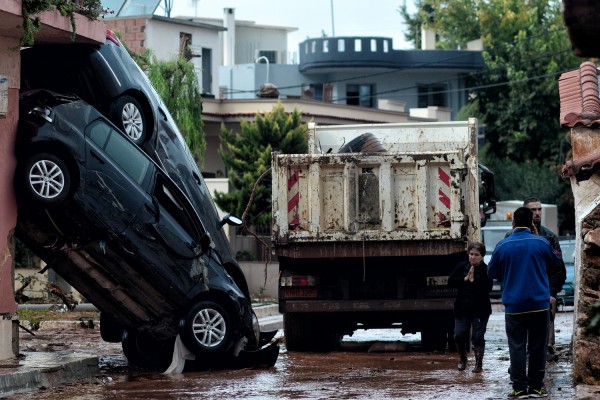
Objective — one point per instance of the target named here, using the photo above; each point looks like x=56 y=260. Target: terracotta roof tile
x=579 y=96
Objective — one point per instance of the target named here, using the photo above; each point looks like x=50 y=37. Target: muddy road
x=377 y=364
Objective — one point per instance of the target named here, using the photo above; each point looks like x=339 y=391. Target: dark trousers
x=527 y=332
x=478 y=325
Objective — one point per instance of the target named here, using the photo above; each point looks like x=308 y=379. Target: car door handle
x=96 y=156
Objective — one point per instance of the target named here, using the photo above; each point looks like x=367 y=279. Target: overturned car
x=112 y=222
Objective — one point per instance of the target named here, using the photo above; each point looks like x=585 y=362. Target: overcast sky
x=311 y=17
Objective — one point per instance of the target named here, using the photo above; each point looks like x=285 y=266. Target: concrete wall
x=9 y=74
x=255 y=275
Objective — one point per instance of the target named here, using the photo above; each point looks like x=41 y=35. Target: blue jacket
x=523 y=262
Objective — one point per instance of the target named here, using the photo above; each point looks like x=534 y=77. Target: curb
x=45 y=369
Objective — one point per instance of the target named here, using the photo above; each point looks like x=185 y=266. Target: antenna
x=195 y=5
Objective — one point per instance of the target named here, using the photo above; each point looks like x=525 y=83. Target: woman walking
x=472 y=307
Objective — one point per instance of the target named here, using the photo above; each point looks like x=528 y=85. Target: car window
x=177 y=205
x=568 y=251
x=121 y=150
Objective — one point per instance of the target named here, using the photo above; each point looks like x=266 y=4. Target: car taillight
x=110 y=35
x=299 y=281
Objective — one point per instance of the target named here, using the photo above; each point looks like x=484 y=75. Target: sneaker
x=541 y=392
x=519 y=394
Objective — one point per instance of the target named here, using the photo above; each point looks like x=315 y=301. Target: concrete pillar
x=9 y=117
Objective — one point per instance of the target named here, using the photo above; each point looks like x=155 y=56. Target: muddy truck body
x=370 y=223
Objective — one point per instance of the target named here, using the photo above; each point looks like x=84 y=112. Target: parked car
x=566 y=296
x=113 y=223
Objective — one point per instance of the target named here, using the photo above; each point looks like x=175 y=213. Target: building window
x=357 y=45
x=373 y=45
x=359 y=95
x=313 y=46
x=185 y=41
x=325 y=46
x=386 y=46
x=341 y=45
x=432 y=95
x=270 y=54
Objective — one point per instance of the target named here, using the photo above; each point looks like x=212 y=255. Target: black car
x=113 y=223
x=103 y=75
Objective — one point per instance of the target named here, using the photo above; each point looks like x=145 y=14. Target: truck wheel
x=144 y=351
x=297 y=332
x=434 y=339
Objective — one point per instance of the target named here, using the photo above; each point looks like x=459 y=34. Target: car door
x=117 y=175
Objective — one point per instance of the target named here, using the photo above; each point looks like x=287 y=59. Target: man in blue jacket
x=523 y=262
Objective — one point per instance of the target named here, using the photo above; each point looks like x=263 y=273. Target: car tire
x=143 y=351
x=207 y=329
x=47 y=179
x=128 y=115
x=110 y=330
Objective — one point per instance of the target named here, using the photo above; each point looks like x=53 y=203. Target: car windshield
x=492 y=237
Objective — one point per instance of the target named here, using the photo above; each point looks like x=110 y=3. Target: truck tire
x=434 y=339
x=310 y=333
x=297 y=332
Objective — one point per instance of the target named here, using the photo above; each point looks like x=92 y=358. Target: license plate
x=437 y=280
x=561 y=293
x=304 y=293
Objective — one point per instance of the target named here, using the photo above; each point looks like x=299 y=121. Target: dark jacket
x=472 y=298
x=526 y=264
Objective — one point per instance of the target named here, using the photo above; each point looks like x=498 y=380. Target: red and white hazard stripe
x=293 y=198
x=443 y=195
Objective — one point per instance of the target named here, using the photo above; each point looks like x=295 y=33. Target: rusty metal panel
x=426 y=188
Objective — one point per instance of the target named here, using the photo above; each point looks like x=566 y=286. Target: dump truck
x=370 y=223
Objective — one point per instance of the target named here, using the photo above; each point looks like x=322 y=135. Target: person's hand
x=534 y=230
x=470 y=275
x=552 y=301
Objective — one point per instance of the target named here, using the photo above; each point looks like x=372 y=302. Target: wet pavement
x=375 y=364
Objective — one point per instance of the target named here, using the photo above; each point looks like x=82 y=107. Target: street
x=377 y=364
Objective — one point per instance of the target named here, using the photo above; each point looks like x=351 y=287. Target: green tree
x=526 y=48
x=177 y=84
x=248 y=156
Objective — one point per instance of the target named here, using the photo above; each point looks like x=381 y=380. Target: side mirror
x=231 y=220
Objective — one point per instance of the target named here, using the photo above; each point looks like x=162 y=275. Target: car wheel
x=129 y=116
x=47 y=179
x=144 y=351
x=207 y=328
x=110 y=330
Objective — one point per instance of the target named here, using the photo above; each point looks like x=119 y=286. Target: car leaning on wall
x=107 y=77
x=103 y=75
x=113 y=223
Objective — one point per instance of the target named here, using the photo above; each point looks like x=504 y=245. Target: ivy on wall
x=92 y=9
